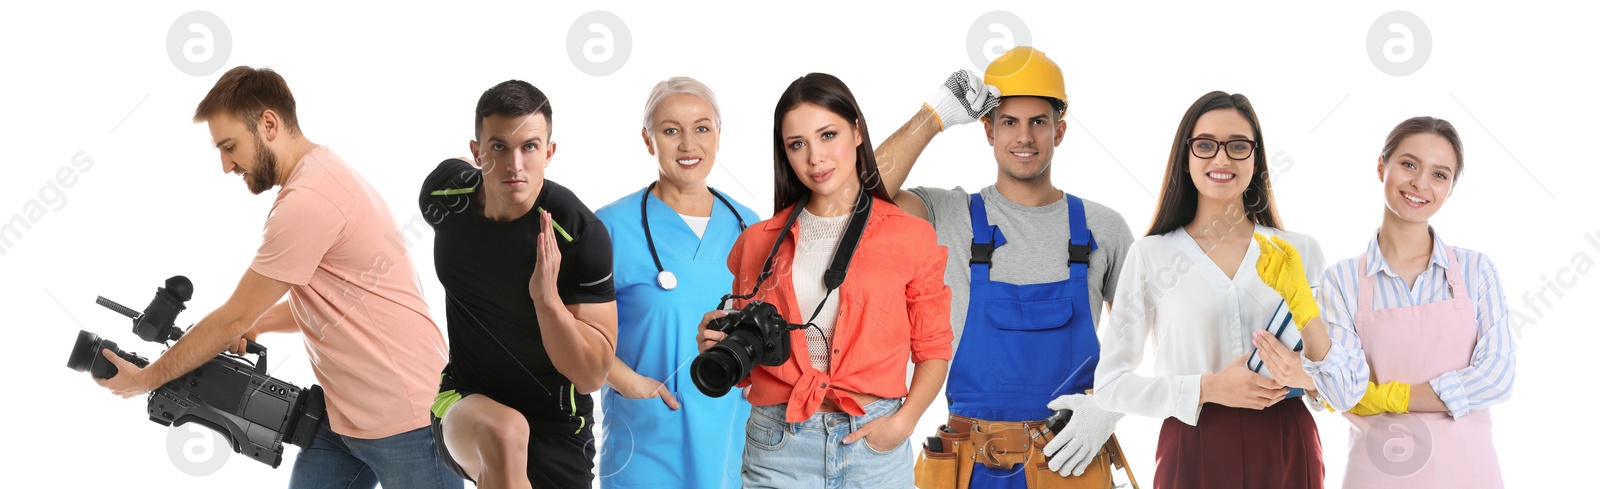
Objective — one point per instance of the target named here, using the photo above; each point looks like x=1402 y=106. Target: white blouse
x=1197 y=319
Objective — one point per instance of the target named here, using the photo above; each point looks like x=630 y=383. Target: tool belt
x=1008 y=445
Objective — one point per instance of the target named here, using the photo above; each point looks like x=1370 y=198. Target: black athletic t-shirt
x=485 y=266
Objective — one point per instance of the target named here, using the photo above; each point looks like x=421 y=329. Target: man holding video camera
x=330 y=244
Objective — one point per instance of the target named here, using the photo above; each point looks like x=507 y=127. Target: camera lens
x=725 y=363
x=83 y=351
x=714 y=372
x=86 y=356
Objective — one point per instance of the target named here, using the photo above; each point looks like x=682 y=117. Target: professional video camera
x=757 y=335
x=227 y=394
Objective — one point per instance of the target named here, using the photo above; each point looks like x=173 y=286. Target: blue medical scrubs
x=645 y=443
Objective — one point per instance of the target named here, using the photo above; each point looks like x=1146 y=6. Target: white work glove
x=1077 y=444
x=963 y=98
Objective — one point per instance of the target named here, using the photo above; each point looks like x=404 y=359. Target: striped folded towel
x=1282 y=326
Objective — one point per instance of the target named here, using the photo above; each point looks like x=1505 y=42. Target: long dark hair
x=1425 y=125
x=1180 y=198
x=830 y=93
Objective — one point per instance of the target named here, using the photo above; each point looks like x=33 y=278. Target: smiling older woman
x=671 y=240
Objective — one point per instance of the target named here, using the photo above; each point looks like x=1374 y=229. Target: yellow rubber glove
x=1281 y=269
x=1393 y=397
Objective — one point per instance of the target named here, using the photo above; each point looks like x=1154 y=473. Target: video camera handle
x=251 y=347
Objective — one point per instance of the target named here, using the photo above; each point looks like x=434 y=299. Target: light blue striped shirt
x=1342 y=375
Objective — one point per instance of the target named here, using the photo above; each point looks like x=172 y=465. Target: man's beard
x=265 y=174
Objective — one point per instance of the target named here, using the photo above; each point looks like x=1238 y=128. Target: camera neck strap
x=834 y=276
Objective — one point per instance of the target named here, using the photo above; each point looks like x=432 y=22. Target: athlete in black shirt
x=530 y=308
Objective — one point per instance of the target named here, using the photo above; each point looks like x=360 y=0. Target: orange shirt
x=893 y=304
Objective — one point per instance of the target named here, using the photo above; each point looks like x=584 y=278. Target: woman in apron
x=1413 y=339
x=670 y=243
x=1190 y=289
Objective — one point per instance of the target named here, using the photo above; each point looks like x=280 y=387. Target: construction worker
x=1029 y=267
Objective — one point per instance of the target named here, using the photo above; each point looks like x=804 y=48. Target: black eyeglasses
x=1206 y=148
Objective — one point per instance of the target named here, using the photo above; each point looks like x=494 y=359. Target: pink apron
x=1414 y=345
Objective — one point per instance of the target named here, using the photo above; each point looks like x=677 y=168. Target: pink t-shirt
x=355 y=296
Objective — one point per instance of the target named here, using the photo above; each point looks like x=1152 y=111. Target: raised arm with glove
x=962 y=99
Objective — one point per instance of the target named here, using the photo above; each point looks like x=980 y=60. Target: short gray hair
x=683 y=85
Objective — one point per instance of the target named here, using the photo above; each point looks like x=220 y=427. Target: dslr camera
x=228 y=394
x=757 y=335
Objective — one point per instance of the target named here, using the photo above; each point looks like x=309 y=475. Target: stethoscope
x=665 y=278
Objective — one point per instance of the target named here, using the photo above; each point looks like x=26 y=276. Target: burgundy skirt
x=1234 y=448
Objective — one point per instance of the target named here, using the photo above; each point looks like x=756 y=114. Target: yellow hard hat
x=1025 y=71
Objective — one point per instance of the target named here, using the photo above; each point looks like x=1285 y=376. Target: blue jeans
x=403 y=461
x=812 y=453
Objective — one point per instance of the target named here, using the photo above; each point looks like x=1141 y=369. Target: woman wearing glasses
x=1413 y=335
x=1191 y=289
x=671 y=242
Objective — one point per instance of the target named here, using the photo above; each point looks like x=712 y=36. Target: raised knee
x=505 y=431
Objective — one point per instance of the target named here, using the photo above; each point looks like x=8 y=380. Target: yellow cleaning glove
x=1280 y=268
x=1393 y=397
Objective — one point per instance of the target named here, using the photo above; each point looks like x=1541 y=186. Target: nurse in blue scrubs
x=670 y=244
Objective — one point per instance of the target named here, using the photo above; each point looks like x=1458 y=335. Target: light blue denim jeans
x=812 y=453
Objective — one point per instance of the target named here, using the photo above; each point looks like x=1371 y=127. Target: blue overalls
x=1023 y=345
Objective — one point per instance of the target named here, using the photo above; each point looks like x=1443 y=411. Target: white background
x=392 y=90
